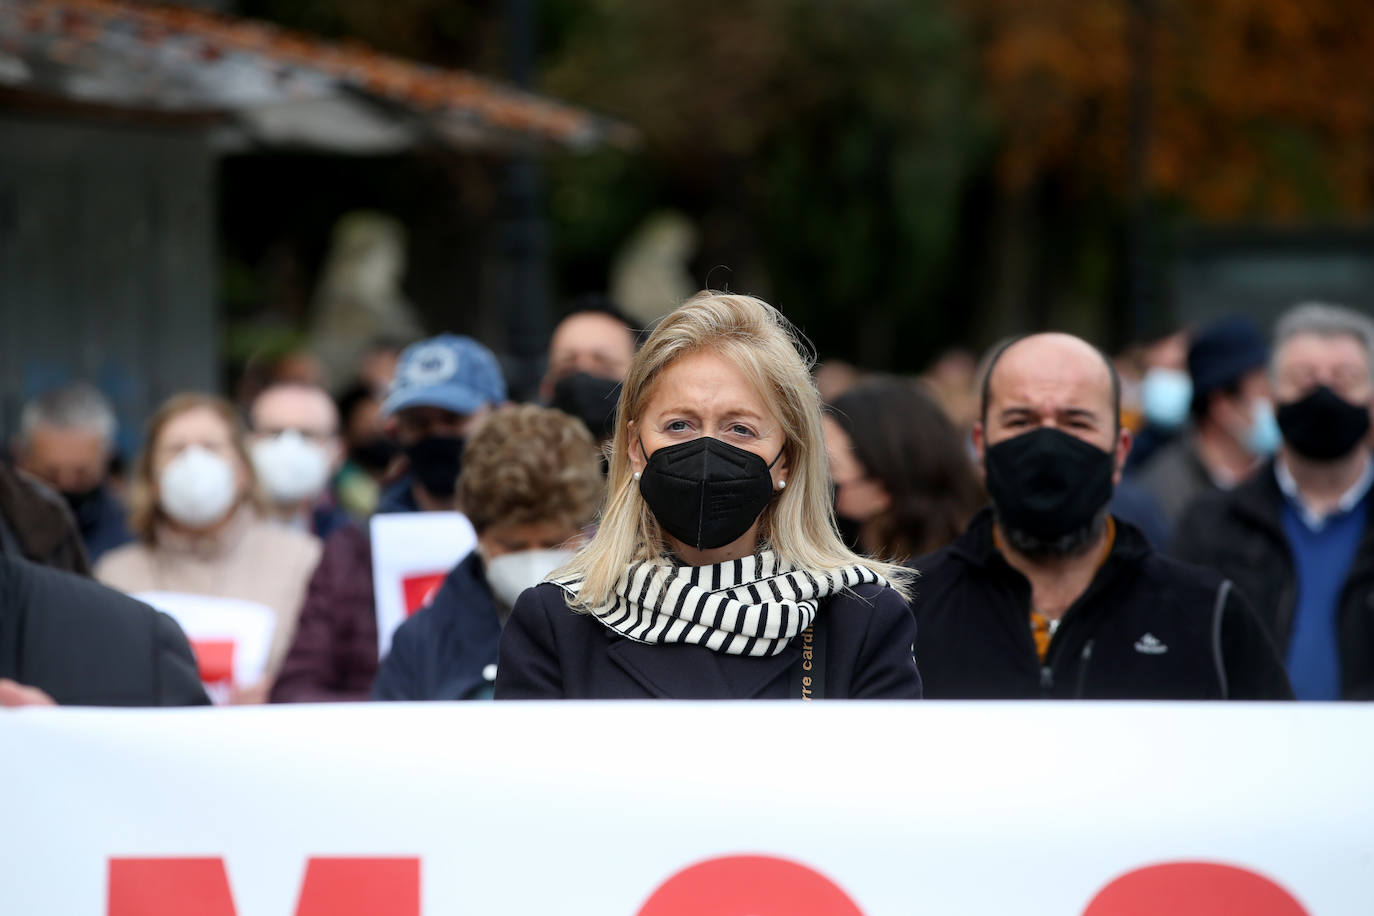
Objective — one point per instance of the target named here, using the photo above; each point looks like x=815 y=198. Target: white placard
x=231 y=637
x=901 y=809
x=412 y=552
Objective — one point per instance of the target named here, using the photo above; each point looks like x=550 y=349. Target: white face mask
x=512 y=573
x=1165 y=397
x=291 y=467
x=197 y=488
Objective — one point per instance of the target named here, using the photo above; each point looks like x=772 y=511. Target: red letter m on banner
x=200 y=887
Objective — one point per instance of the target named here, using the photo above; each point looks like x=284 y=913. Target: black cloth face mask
x=373 y=454
x=706 y=493
x=85 y=506
x=591 y=399
x=1048 y=483
x=1323 y=425
x=435 y=461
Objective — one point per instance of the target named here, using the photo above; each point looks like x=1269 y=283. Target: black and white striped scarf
x=752 y=606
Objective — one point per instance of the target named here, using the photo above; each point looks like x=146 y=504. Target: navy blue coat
x=447 y=650
x=88 y=645
x=551 y=652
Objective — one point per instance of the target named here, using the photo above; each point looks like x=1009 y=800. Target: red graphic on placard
x=749 y=886
x=1193 y=889
x=200 y=887
x=360 y=887
x=215 y=659
x=169 y=887
x=419 y=589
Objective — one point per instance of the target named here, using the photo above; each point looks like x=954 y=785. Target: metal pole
x=524 y=235
x=1139 y=228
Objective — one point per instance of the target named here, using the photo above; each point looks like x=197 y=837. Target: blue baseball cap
x=449 y=372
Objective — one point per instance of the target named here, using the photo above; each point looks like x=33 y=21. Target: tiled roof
x=126 y=53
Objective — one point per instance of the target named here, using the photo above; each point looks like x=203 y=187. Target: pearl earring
x=636 y=475
x=782 y=485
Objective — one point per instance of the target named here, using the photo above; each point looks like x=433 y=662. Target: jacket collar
x=1259 y=499
x=399 y=497
x=977 y=547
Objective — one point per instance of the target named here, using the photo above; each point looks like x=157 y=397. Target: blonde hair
x=799 y=523
x=530 y=464
x=144 y=511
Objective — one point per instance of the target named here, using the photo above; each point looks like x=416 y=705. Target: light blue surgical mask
x=1165 y=395
x=1263 y=435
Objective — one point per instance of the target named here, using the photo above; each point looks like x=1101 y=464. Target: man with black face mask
x=443 y=387
x=589 y=354
x=1297 y=536
x=1047 y=595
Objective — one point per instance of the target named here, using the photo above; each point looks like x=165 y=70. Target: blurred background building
x=183 y=191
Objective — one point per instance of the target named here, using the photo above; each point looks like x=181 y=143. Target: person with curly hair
x=531 y=482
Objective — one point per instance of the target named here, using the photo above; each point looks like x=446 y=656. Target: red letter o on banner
x=749 y=886
x=1193 y=889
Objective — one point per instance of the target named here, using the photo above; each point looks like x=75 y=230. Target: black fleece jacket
x=1147 y=627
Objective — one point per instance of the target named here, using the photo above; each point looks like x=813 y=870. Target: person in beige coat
x=195 y=512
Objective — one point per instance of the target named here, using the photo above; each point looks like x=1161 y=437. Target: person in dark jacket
x=1047 y=595
x=67 y=639
x=1233 y=429
x=531 y=482
x=36 y=524
x=717 y=570
x=66 y=437
x=1297 y=536
x=443 y=389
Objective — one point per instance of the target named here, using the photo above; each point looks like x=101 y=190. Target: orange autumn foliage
x=1262 y=108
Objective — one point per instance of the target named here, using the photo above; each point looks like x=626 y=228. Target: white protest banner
x=411 y=554
x=670 y=809
x=232 y=638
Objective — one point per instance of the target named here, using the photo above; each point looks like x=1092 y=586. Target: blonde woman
x=195 y=513
x=716 y=571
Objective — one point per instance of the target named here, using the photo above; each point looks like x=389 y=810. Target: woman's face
x=858 y=496
x=197 y=426
x=702 y=394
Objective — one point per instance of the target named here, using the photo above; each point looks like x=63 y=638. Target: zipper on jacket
x=1083 y=668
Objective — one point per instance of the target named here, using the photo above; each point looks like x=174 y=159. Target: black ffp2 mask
x=1048 y=483
x=435 y=461
x=1323 y=426
x=591 y=399
x=705 y=492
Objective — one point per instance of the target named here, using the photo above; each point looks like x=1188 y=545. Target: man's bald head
x=1054 y=361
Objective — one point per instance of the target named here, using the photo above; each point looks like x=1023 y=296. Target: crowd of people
x=694 y=511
